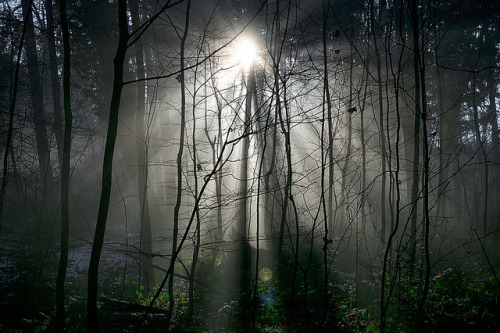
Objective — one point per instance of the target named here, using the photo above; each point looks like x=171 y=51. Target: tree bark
x=118 y=61
x=65 y=172
x=327 y=208
x=481 y=147
x=146 y=244
x=12 y=111
x=54 y=78
x=381 y=123
x=425 y=184
x=180 y=152
x=416 y=134
x=42 y=143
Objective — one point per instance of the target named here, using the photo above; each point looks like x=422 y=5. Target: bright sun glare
x=247 y=52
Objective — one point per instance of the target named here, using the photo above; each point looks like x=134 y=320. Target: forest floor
x=460 y=300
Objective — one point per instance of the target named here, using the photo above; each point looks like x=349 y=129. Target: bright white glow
x=247 y=52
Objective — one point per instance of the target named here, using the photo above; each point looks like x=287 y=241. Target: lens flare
x=267 y=298
x=265 y=274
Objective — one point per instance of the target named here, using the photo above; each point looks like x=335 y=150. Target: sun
x=247 y=52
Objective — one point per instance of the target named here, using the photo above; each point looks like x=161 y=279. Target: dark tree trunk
x=425 y=183
x=441 y=200
x=180 y=152
x=381 y=123
x=345 y=168
x=11 y=115
x=196 y=167
x=65 y=172
x=42 y=143
x=481 y=147
x=416 y=134
x=216 y=146
x=495 y=136
x=118 y=61
x=327 y=208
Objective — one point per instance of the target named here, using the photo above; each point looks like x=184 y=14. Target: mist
x=249 y=166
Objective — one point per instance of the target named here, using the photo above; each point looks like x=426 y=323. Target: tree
x=12 y=111
x=65 y=172
x=146 y=245
x=54 y=78
x=179 y=162
x=118 y=61
x=37 y=97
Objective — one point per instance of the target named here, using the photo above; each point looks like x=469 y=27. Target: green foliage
x=456 y=300
x=41 y=328
x=355 y=319
x=161 y=301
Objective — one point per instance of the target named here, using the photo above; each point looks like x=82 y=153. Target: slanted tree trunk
x=65 y=172
x=107 y=168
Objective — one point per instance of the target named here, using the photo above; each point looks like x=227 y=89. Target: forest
x=249 y=166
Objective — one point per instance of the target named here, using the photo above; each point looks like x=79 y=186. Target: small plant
x=161 y=301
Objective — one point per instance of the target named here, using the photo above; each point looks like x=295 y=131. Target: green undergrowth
x=458 y=300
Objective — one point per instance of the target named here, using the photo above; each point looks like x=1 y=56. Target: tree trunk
x=345 y=167
x=196 y=167
x=416 y=135
x=216 y=145
x=381 y=123
x=180 y=152
x=12 y=110
x=242 y=235
x=481 y=147
x=425 y=183
x=441 y=200
x=54 y=78
x=492 y=118
x=107 y=168
x=42 y=143
x=327 y=209
x=495 y=135
x=65 y=172
x=146 y=244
